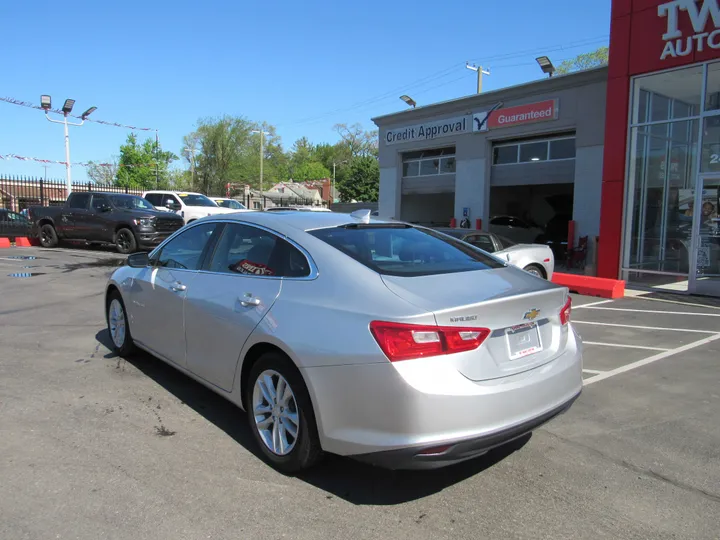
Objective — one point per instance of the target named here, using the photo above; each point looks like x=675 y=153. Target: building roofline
x=488 y=99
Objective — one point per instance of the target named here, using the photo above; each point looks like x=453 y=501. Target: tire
x=125 y=241
x=118 y=326
x=535 y=270
x=48 y=236
x=292 y=454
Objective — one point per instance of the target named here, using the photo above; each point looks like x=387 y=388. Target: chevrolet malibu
x=341 y=333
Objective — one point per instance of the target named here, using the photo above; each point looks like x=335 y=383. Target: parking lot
x=94 y=446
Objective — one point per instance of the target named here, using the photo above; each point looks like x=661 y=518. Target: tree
x=103 y=173
x=589 y=60
x=143 y=166
x=356 y=141
x=363 y=181
x=311 y=170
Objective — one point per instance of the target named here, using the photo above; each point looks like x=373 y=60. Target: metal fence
x=18 y=193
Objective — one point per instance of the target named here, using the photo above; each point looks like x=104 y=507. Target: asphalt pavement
x=93 y=446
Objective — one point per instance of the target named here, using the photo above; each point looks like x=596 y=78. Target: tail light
x=408 y=341
x=565 y=312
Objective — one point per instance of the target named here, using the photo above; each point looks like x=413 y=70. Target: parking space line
x=675 y=302
x=593 y=371
x=654 y=311
x=592 y=304
x=650 y=360
x=658 y=328
x=624 y=346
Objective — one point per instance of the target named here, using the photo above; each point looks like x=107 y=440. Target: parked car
x=189 y=206
x=229 y=203
x=393 y=344
x=298 y=209
x=537 y=259
x=516 y=230
x=127 y=221
x=13 y=224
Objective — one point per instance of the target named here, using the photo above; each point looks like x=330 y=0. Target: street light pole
x=46 y=104
x=332 y=195
x=262 y=158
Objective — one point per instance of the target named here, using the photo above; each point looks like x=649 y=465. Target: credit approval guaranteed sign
x=541 y=111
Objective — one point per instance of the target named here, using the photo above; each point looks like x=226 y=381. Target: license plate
x=523 y=340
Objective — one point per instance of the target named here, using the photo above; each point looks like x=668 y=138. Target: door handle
x=178 y=287
x=248 y=301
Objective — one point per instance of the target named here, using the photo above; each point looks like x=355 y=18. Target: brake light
x=409 y=341
x=565 y=312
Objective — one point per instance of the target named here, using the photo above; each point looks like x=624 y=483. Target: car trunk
x=523 y=314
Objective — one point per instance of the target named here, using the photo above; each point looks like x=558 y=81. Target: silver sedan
x=340 y=333
x=537 y=259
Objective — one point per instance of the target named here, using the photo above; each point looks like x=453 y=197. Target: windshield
x=194 y=199
x=406 y=251
x=131 y=202
x=230 y=203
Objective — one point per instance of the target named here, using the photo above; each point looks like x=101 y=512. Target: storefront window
x=534 y=150
x=429 y=162
x=670 y=95
x=712 y=92
x=710 y=161
x=502 y=155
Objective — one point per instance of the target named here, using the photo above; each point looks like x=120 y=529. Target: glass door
x=705 y=262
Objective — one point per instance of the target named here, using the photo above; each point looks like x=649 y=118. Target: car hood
x=147 y=213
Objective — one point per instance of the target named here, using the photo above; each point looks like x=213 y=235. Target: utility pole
x=332 y=195
x=157 y=165
x=262 y=158
x=480 y=72
x=45 y=167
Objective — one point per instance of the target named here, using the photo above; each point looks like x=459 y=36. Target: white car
x=516 y=230
x=298 y=209
x=190 y=206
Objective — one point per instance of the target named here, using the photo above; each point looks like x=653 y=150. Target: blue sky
x=302 y=66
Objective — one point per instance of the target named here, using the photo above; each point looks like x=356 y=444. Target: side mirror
x=170 y=204
x=138 y=260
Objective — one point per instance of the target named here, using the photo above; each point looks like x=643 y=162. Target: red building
x=661 y=174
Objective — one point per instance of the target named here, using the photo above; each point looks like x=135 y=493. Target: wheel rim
x=116 y=320
x=276 y=413
x=44 y=236
x=123 y=241
x=534 y=271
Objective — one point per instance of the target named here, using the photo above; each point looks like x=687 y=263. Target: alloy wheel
x=123 y=242
x=116 y=318
x=276 y=412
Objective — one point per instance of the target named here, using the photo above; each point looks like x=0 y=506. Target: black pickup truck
x=127 y=221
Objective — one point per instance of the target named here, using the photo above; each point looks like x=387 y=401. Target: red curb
x=4 y=242
x=591 y=286
x=22 y=242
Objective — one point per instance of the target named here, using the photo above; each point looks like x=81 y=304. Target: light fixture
x=88 y=112
x=535 y=159
x=410 y=101
x=68 y=106
x=45 y=102
x=546 y=65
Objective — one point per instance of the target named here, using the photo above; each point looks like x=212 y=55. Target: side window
x=481 y=241
x=518 y=223
x=154 y=198
x=187 y=249
x=79 y=200
x=99 y=201
x=247 y=250
x=502 y=221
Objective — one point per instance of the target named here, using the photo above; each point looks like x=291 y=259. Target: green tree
x=363 y=181
x=311 y=170
x=357 y=142
x=596 y=58
x=102 y=173
x=143 y=165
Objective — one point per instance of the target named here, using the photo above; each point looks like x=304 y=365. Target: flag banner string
x=79 y=163
x=14 y=101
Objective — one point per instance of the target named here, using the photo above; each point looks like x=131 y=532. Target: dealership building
x=622 y=155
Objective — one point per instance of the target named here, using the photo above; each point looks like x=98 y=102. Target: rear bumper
x=387 y=413
x=436 y=456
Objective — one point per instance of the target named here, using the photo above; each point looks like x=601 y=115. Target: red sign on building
x=524 y=114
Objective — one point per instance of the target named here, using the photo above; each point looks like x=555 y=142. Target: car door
x=159 y=291
x=75 y=218
x=98 y=223
x=232 y=296
x=482 y=241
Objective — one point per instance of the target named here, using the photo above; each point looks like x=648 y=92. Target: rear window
x=406 y=251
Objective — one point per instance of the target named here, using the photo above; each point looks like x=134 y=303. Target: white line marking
x=654 y=311
x=648 y=327
x=650 y=360
x=676 y=302
x=592 y=304
x=624 y=346
x=593 y=371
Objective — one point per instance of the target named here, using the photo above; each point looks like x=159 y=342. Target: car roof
x=174 y=192
x=286 y=220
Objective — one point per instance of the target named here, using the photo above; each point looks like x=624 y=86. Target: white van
x=190 y=206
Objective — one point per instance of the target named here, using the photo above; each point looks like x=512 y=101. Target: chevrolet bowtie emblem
x=532 y=314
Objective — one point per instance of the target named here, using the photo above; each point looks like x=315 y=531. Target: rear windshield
x=407 y=252
x=195 y=199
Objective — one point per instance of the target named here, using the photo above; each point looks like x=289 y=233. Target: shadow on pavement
x=355 y=482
